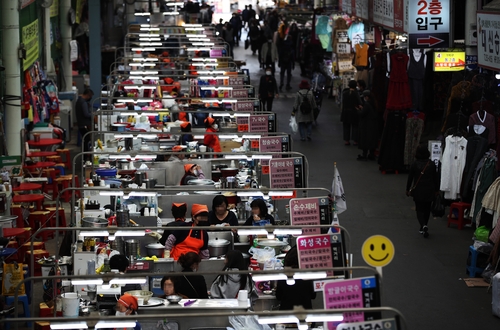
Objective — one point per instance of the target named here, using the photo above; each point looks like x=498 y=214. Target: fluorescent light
x=151 y=65
x=192 y=24
x=148 y=35
x=194 y=28
x=324 y=318
x=143 y=72
x=137 y=280
x=149 y=29
x=199 y=39
x=171 y=13
x=143 y=193
x=263 y=157
x=129 y=114
x=228 y=136
x=130 y=233
x=202 y=59
x=145 y=44
x=255 y=231
x=242 y=115
x=289 y=231
x=144 y=49
x=142 y=86
x=203 y=44
x=149 y=39
x=277 y=319
x=196 y=35
x=97 y=233
x=142 y=14
x=280 y=193
x=96 y=281
x=199 y=137
x=115 y=324
x=195 y=49
x=309 y=275
x=145 y=59
x=234 y=156
x=249 y=193
x=119 y=157
x=111 y=193
x=145 y=157
x=175 y=3
x=69 y=325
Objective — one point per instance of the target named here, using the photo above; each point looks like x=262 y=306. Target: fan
x=46 y=3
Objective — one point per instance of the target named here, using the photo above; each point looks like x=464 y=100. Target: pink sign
x=240 y=93
x=215 y=52
x=258 y=123
x=354 y=293
x=236 y=81
x=241 y=120
x=243 y=106
x=271 y=144
x=314 y=251
x=281 y=172
x=306 y=211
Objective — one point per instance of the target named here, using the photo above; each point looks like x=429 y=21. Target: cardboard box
x=228 y=146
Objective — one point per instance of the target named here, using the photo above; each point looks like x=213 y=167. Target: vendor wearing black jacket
x=179 y=213
x=191 y=240
x=259 y=216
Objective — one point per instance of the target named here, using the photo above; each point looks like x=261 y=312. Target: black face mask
x=203 y=224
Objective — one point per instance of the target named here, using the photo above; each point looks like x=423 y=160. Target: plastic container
x=70 y=304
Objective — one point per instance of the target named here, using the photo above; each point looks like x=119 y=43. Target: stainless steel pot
x=155 y=249
x=218 y=247
x=94 y=222
x=201 y=182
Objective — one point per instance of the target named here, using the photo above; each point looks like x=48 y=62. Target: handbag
x=410 y=192
x=437 y=207
x=13 y=275
x=247 y=43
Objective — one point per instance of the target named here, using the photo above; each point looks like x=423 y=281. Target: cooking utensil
x=146 y=295
x=155 y=249
x=201 y=182
x=275 y=244
x=173 y=299
x=229 y=171
x=218 y=247
x=94 y=222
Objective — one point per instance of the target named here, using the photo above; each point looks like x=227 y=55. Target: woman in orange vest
x=212 y=140
x=194 y=239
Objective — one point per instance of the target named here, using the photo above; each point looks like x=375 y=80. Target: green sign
x=30 y=41
x=11 y=164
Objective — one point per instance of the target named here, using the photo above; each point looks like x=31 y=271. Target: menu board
x=315 y=252
x=286 y=173
x=279 y=143
x=214 y=53
x=240 y=94
x=236 y=81
x=352 y=293
x=386 y=324
x=258 y=123
x=247 y=106
x=310 y=211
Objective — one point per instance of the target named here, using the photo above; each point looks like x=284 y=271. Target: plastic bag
x=482 y=233
x=13 y=275
x=247 y=323
x=293 y=124
x=437 y=206
x=262 y=255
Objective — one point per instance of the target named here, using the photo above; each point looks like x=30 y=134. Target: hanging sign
x=243 y=106
x=488 y=50
x=429 y=24
x=286 y=173
x=276 y=144
x=236 y=81
x=362 y=9
x=343 y=48
x=30 y=41
x=345 y=65
x=322 y=251
x=258 y=123
x=54 y=9
x=342 y=35
x=449 y=61
x=383 y=12
x=353 y=293
x=384 y=324
x=240 y=93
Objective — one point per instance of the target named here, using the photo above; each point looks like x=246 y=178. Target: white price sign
x=383 y=12
x=384 y=324
x=345 y=65
x=342 y=35
x=488 y=39
x=362 y=8
x=343 y=48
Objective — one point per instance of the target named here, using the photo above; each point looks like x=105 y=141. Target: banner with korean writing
x=54 y=9
x=383 y=12
x=362 y=9
x=309 y=212
x=30 y=40
x=277 y=144
x=353 y=293
x=247 y=106
x=286 y=172
x=488 y=34
x=429 y=24
x=322 y=251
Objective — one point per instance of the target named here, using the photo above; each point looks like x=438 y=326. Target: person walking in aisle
x=83 y=111
x=228 y=35
x=268 y=88
x=269 y=55
x=304 y=118
x=254 y=36
x=349 y=116
x=368 y=127
x=423 y=185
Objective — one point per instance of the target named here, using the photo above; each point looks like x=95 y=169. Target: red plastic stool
x=17 y=210
x=27 y=247
x=37 y=254
x=41 y=219
x=67 y=157
x=65 y=182
x=52 y=216
x=55 y=159
x=460 y=221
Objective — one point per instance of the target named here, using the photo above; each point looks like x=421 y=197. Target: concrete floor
x=425 y=279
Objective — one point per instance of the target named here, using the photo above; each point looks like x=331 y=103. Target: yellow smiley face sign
x=377 y=251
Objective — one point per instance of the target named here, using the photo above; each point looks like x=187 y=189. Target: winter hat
x=129 y=301
x=304 y=84
x=188 y=167
x=210 y=121
x=185 y=124
x=177 y=148
x=179 y=210
x=197 y=209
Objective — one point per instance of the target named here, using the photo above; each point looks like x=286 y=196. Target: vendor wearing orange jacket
x=194 y=239
x=212 y=140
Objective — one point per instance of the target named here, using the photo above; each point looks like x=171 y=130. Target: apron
x=190 y=244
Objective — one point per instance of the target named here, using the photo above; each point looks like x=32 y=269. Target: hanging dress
x=399 y=95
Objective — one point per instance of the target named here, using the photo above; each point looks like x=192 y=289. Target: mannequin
x=482 y=118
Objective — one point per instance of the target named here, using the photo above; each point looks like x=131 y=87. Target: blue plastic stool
x=473 y=269
x=23 y=299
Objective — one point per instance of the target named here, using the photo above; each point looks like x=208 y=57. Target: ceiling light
x=69 y=325
x=96 y=233
x=115 y=324
x=110 y=193
x=96 y=281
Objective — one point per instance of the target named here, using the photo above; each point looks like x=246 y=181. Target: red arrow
x=431 y=41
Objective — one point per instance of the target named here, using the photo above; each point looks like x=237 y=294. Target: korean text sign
x=429 y=23
x=488 y=34
x=322 y=251
x=353 y=293
x=286 y=172
x=308 y=212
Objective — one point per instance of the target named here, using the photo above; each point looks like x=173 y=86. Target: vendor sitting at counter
x=193 y=240
x=192 y=172
x=179 y=213
x=168 y=286
x=179 y=155
x=185 y=138
x=191 y=285
x=212 y=140
x=220 y=215
x=121 y=263
x=259 y=216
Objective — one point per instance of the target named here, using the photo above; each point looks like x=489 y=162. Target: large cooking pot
x=275 y=244
x=230 y=171
x=94 y=222
x=218 y=247
x=155 y=249
x=201 y=182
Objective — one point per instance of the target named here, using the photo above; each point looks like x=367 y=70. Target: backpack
x=305 y=107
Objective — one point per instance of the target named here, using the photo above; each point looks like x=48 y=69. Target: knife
x=190 y=302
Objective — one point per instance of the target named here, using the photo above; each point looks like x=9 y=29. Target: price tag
x=345 y=65
x=255 y=144
x=265 y=169
x=243 y=128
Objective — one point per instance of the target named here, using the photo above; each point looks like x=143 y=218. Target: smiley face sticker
x=377 y=251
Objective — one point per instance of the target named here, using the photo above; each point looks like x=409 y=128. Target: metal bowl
x=174 y=299
x=141 y=294
x=94 y=222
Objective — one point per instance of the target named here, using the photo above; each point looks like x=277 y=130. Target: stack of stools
x=27 y=247
x=65 y=154
x=472 y=269
x=41 y=219
x=51 y=186
x=37 y=254
x=23 y=299
x=60 y=213
x=460 y=221
x=65 y=182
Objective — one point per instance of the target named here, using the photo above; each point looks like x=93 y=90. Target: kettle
x=139 y=178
